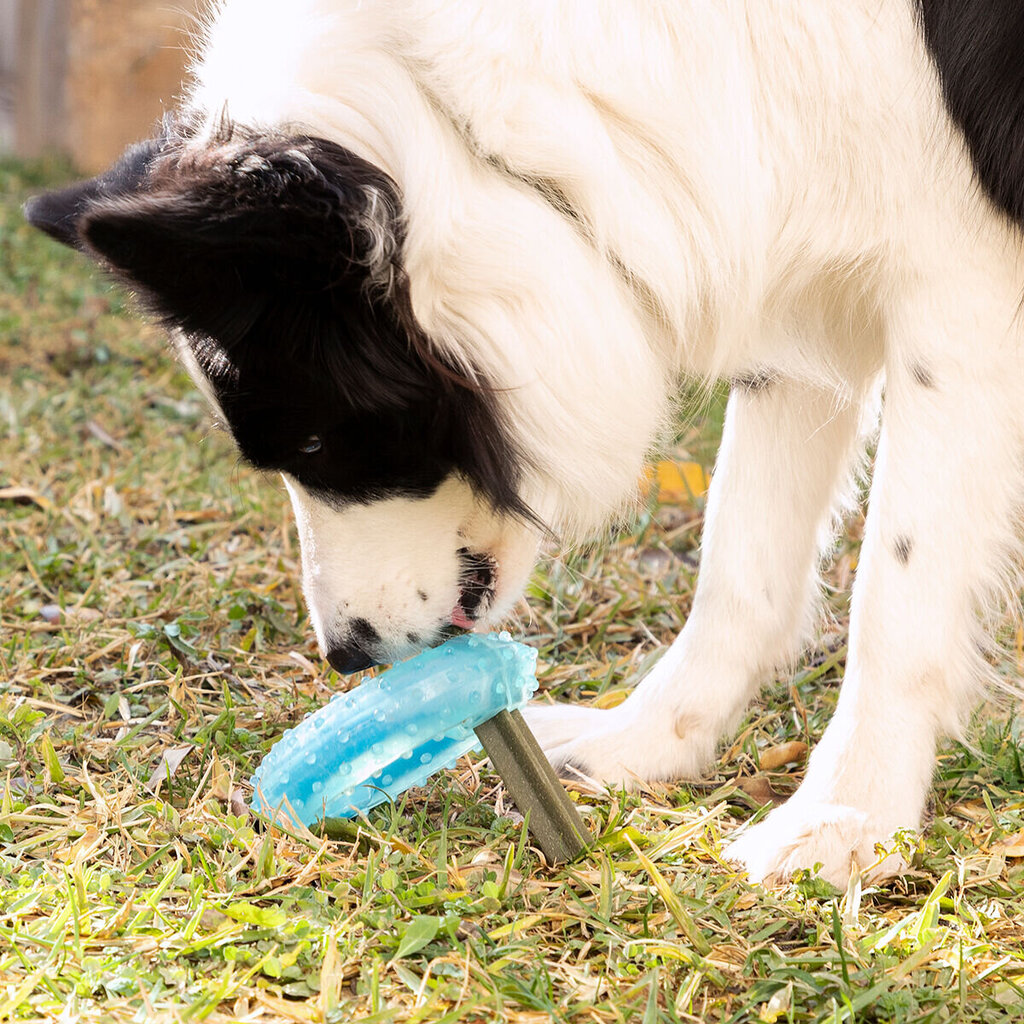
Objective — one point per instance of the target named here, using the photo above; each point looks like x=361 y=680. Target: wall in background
x=87 y=77
x=8 y=35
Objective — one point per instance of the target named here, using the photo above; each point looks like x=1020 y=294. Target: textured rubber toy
x=394 y=731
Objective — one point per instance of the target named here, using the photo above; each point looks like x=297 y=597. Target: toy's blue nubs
x=394 y=731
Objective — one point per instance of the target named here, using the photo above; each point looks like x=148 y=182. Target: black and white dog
x=443 y=264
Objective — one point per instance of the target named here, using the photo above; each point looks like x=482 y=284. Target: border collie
x=443 y=265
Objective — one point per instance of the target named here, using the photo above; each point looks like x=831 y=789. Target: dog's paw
x=620 y=747
x=556 y=724
x=803 y=834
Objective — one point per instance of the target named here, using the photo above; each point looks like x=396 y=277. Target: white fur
x=395 y=564
x=770 y=186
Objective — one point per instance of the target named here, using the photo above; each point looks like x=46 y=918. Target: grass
x=153 y=646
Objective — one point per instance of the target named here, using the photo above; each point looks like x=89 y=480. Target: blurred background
x=84 y=78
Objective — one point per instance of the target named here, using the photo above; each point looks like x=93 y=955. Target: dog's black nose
x=356 y=651
x=347 y=659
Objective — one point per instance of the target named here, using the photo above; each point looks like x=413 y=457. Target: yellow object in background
x=677 y=482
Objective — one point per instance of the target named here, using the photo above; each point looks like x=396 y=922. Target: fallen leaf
x=610 y=699
x=777 y=1005
x=784 y=753
x=199 y=515
x=220 y=780
x=759 y=789
x=238 y=805
x=1011 y=846
x=288 y=1009
x=25 y=494
x=82 y=847
x=972 y=810
x=165 y=768
x=211 y=919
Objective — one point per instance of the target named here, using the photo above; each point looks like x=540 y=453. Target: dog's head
x=276 y=263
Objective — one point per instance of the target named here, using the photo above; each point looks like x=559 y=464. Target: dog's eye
x=311 y=445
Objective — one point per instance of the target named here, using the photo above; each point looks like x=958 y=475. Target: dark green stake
x=532 y=783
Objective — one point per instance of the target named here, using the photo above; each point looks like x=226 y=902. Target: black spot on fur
x=422 y=595
x=279 y=258
x=902 y=547
x=361 y=632
x=753 y=383
x=571 y=770
x=923 y=375
x=978 y=49
x=413 y=638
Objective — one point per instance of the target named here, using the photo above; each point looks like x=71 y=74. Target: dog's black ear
x=60 y=213
x=214 y=238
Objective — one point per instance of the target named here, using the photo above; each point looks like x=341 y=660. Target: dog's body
x=445 y=264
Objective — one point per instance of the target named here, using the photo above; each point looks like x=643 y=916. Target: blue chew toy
x=395 y=731
x=392 y=732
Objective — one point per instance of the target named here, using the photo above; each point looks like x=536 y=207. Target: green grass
x=149 y=606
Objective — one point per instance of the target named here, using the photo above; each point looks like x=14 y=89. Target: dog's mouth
x=476 y=588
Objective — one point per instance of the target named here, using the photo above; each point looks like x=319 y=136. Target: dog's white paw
x=555 y=724
x=804 y=834
x=624 y=746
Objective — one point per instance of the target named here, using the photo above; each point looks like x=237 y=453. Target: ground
x=153 y=646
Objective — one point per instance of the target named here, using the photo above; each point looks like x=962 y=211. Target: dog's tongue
x=460 y=618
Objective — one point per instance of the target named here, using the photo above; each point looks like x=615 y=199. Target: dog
x=445 y=265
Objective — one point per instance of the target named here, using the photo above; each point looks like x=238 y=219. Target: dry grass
x=153 y=645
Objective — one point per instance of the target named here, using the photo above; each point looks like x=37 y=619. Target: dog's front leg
x=783 y=466
x=939 y=544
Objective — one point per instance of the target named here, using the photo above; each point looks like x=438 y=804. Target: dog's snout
x=357 y=650
x=349 y=658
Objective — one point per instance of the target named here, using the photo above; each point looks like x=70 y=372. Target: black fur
x=902 y=547
x=761 y=380
x=59 y=213
x=923 y=375
x=978 y=48
x=572 y=770
x=278 y=257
